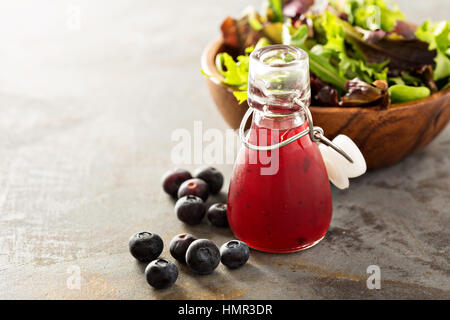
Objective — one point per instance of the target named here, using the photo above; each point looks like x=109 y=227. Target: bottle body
x=286 y=208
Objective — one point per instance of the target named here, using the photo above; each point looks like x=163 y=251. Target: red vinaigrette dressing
x=288 y=209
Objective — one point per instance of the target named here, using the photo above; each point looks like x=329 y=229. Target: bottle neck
x=278 y=75
x=273 y=121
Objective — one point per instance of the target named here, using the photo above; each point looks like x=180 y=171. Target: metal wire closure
x=316 y=134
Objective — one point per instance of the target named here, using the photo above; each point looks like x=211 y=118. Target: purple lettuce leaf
x=296 y=8
x=360 y=93
x=402 y=54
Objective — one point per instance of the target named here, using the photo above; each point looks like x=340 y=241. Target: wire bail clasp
x=316 y=133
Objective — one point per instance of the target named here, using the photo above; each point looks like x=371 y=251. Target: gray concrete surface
x=85 y=135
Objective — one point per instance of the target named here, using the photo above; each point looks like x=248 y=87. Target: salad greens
x=360 y=51
x=336 y=47
x=276 y=8
x=317 y=63
x=437 y=35
x=236 y=73
x=370 y=14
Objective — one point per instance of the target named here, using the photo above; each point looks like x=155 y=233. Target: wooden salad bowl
x=385 y=136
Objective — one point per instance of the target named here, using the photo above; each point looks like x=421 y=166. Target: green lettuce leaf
x=437 y=35
x=241 y=96
x=349 y=67
x=235 y=72
x=292 y=36
x=318 y=64
x=370 y=14
x=276 y=6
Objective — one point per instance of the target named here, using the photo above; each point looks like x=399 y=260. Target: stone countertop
x=89 y=106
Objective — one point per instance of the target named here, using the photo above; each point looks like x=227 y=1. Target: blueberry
x=195 y=187
x=212 y=177
x=161 y=273
x=190 y=209
x=179 y=246
x=145 y=246
x=234 y=254
x=172 y=180
x=202 y=256
x=217 y=215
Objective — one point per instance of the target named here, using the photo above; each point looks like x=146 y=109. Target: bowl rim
x=208 y=66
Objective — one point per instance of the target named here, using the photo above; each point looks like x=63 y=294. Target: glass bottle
x=279 y=198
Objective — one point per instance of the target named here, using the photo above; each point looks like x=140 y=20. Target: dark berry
x=212 y=177
x=190 y=209
x=179 y=246
x=217 y=215
x=202 y=256
x=161 y=273
x=145 y=246
x=234 y=254
x=195 y=187
x=172 y=180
